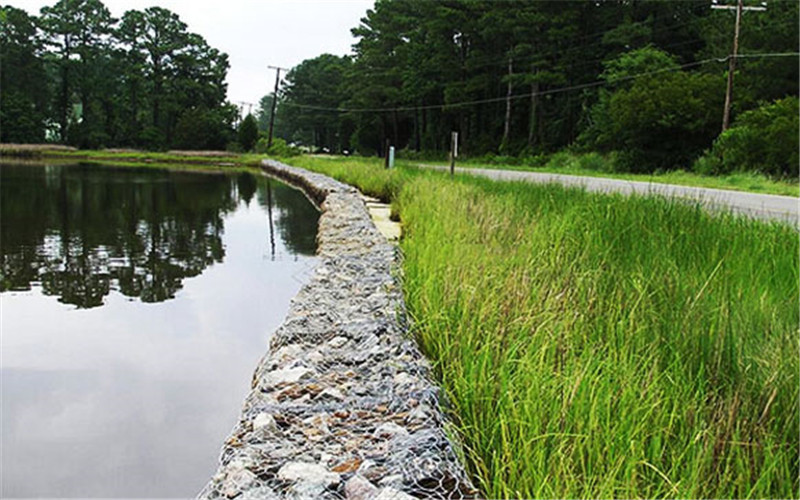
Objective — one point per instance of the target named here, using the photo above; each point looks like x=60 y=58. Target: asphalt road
x=761 y=206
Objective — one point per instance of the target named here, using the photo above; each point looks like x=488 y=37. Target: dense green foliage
x=526 y=78
x=621 y=347
x=662 y=121
x=248 y=132
x=764 y=140
x=76 y=75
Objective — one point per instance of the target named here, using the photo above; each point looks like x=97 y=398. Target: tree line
x=643 y=80
x=76 y=75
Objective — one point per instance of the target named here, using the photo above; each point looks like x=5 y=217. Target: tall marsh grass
x=602 y=346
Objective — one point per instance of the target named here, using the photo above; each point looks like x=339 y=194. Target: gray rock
x=338 y=341
x=389 y=430
x=358 y=488
x=404 y=379
x=390 y=493
x=284 y=376
x=311 y=473
x=260 y=493
x=393 y=480
x=265 y=421
x=332 y=394
x=238 y=481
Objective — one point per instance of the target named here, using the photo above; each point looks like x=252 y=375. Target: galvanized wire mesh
x=342 y=406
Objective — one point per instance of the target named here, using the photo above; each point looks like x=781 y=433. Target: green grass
x=590 y=164
x=127 y=156
x=594 y=165
x=366 y=173
x=602 y=346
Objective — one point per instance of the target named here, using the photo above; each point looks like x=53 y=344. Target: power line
x=597 y=83
x=770 y=54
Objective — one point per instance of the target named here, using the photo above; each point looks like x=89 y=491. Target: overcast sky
x=256 y=33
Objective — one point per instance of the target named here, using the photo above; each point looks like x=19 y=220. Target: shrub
x=662 y=122
x=562 y=159
x=762 y=140
x=233 y=147
x=534 y=160
x=279 y=148
x=261 y=146
x=248 y=132
x=708 y=164
x=594 y=161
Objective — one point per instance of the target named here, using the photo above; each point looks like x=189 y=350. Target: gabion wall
x=342 y=405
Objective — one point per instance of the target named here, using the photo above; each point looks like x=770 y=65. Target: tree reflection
x=293 y=210
x=82 y=231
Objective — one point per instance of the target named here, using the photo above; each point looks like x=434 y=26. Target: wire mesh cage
x=342 y=406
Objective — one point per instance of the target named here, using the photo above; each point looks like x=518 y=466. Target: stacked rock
x=342 y=405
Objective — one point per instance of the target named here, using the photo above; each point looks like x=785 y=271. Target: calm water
x=134 y=305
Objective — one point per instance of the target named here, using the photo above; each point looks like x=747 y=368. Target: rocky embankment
x=342 y=405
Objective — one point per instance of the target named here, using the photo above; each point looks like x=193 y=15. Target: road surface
x=762 y=206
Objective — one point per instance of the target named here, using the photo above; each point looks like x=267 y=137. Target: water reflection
x=134 y=398
x=80 y=232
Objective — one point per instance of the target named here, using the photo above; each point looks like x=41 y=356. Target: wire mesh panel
x=342 y=405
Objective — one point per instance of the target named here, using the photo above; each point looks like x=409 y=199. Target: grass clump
x=367 y=174
x=597 y=346
x=602 y=346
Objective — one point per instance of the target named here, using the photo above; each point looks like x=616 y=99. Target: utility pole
x=239 y=105
x=739 y=8
x=453 y=152
x=274 y=102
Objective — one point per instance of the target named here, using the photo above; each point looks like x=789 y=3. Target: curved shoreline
x=342 y=405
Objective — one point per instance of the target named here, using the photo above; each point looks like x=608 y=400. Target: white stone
x=305 y=491
x=404 y=378
x=393 y=480
x=259 y=493
x=308 y=473
x=287 y=352
x=265 y=421
x=418 y=414
x=390 y=493
x=359 y=488
x=390 y=430
x=337 y=342
x=237 y=482
x=318 y=422
x=285 y=376
x=315 y=357
x=366 y=464
x=331 y=393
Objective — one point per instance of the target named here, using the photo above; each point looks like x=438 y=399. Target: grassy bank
x=128 y=156
x=595 y=165
x=602 y=346
x=591 y=164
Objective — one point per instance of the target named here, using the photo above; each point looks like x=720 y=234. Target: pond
x=135 y=304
